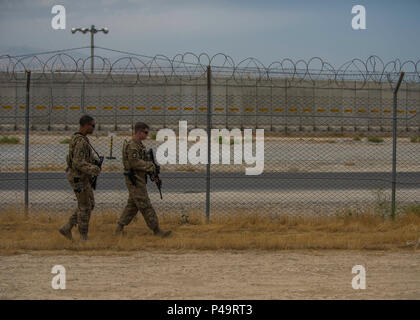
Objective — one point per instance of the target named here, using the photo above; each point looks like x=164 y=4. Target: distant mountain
x=27 y=50
x=18 y=50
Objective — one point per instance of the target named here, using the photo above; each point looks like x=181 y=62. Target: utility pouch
x=130 y=174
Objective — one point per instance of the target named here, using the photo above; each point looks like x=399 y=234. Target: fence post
x=196 y=103
x=51 y=99
x=28 y=84
x=209 y=106
x=17 y=102
x=132 y=105
x=82 y=97
x=394 y=144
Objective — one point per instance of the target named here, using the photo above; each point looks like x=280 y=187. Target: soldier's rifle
x=155 y=175
x=99 y=163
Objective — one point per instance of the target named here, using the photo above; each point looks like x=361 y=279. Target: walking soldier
x=137 y=166
x=82 y=170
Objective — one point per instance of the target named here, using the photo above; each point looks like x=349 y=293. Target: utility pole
x=92 y=31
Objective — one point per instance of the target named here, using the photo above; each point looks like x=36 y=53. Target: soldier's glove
x=95 y=170
x=150 y=167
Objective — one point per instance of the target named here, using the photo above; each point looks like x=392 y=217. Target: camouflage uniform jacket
x=80 y=160
x=134 y=157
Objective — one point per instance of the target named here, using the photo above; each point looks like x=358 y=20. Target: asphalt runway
x=291 y=151
x=195 y=182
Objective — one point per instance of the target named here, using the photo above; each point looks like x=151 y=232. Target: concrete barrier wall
x=281 y=105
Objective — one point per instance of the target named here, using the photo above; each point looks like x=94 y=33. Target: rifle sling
x=88 y=143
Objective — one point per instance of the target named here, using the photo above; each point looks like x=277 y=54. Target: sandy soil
x=293 y=202
x=213 y=275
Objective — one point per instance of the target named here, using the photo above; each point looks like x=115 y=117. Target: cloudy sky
x=265 y=29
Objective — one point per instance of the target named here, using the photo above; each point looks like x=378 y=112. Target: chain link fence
x=328 y=132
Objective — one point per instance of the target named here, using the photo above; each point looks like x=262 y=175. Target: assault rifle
x=155 y=176
x=131 y=176
x=99 y=164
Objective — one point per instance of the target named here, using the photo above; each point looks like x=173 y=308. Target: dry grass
x=326 y=134
x=37 y=232
x=60 y=168
x=9 y=140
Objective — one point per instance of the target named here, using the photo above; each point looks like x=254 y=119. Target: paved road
x=289 y=151
x=191 y=182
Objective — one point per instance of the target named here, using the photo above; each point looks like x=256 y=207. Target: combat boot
x=83 y=236
x=119 y=230
x=65 y=230
x=161 y=233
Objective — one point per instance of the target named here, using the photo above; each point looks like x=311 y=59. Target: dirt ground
x=213 y=275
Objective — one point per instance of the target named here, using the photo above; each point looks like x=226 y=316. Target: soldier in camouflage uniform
x=134 y=157
x=82 y=166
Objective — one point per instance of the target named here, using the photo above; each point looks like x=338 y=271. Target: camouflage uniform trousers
x=85 y=203
x=138 y=199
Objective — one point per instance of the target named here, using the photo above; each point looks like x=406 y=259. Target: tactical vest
x=126 y=164
x=125 y=155
x=72 y=144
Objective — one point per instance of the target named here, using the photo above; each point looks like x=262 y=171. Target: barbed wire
x=141 y=69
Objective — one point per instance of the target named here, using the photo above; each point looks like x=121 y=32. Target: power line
x=46 y=52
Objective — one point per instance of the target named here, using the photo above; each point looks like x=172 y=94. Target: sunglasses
x=146 y=132
x=93 y=125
